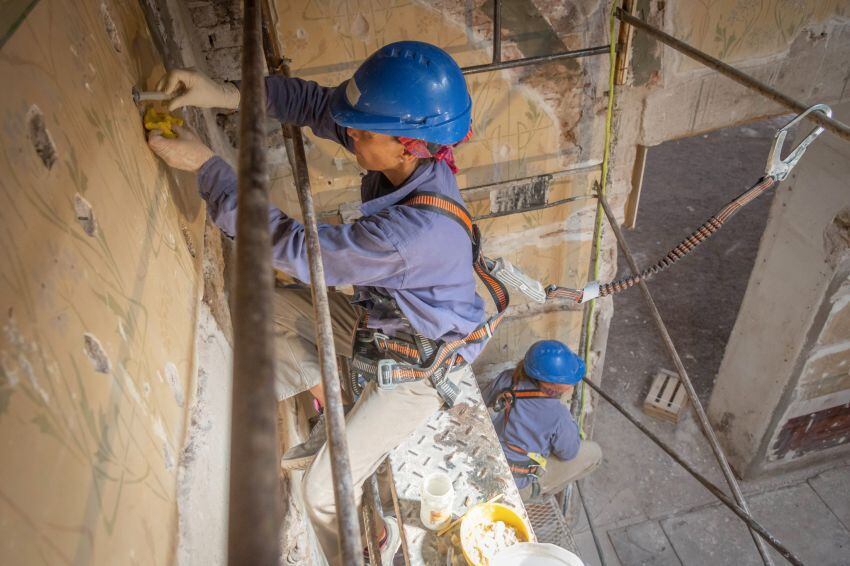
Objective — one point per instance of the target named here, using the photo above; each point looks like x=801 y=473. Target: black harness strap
x=403 y=362
x=527 y=466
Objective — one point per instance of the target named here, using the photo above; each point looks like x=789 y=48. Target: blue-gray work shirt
x=538 y=424
x=420 y=258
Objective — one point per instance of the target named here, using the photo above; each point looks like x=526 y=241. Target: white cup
x=436 y=498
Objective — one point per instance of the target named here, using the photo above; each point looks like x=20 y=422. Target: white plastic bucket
x=436 y=498
x=535 y=554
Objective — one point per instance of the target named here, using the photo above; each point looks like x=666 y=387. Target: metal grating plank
x=549 y=524
x=461 y=442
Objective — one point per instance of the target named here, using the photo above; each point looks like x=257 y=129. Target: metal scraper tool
x=144 y=95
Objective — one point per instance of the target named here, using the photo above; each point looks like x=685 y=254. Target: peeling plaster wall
x=100 y=285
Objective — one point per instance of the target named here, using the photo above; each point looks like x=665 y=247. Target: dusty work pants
x=378 y=422
x=561 y=472
x=297 y=356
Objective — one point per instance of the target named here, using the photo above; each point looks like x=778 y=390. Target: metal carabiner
x=779 y=168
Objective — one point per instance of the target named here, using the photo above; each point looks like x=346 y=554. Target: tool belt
x=390 y=361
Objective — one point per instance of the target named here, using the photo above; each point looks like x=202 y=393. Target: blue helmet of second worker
x=413 y=91
x=552 y=361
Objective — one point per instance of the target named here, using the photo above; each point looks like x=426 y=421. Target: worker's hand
x=198 y=90
x=185 y=152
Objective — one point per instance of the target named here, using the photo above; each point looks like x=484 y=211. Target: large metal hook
x=779 y=168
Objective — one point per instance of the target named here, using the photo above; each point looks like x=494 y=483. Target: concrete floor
x=645 y=508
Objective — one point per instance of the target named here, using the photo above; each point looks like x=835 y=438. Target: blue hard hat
x=553 y=362
x=410 y=89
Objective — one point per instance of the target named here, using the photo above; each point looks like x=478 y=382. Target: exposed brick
x=225 y=63
x=223 y=36
x=204 y=17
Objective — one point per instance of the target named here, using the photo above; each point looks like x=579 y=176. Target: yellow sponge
x=162 y=121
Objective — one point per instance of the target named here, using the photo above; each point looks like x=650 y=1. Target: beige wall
x=737 y=31
x=97 y=347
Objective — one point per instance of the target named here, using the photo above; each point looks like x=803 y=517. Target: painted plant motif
x=735 y=30
x=98 y=291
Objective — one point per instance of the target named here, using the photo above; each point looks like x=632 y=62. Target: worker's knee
x=318 y=492
x=591 y=453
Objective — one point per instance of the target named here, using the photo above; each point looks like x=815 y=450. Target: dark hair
x=553 y=389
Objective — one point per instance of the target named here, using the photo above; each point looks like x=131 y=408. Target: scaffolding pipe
x=346 y=510
x=255 y=486
x=699 y=411
x=497 y=31
x=716 y=491
x=351 y=551
x=471 y=70
x=373 y=519
x=591 y=524
x=740 y=77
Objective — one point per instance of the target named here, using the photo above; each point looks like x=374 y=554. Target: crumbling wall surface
x=783 y=391
x=100 y=283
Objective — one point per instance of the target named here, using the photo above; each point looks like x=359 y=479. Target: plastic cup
x=436 y=498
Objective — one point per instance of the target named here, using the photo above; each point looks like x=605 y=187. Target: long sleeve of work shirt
x=362 y=253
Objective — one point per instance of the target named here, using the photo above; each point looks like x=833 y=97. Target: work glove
x=185 y=152
x=198 y=90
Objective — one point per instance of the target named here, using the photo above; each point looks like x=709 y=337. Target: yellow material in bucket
x=482 y=515
x=162 y=121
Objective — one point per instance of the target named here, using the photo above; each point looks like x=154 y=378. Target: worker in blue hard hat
x=540 y=439
x=410 y=263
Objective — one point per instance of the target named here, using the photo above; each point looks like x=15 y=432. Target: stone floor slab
x=833 y=487
x=586 y=549
x=796 y=515
x=644 y=544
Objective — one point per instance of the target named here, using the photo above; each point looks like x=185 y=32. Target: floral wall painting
x=739 y=30
x=99 y=287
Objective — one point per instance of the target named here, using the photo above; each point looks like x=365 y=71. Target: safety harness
x=530 y=465
x=389 y=361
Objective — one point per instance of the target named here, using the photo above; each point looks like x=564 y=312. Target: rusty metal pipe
x=831 y=124
x=255 y=498
x=346 y=510
x=497 y=31
x=696 y=404
x=535 y=60
x=351 y=550
x=373 y=519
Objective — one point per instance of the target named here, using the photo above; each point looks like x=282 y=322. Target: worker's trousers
x=297 y=357
x=379 y=421
x=559 y=473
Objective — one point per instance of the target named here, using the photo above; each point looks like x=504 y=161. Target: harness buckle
x=384 y=375
x=377 y=337
x=779 y=168
x=510 y=275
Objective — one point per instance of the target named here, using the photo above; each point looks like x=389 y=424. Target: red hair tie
x=424 y=150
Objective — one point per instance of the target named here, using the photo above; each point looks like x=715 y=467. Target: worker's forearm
x=217 y=185
x=358 y=254
x=304 y=103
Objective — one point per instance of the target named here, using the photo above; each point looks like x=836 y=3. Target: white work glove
x=185 y=152
x=199 y=90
